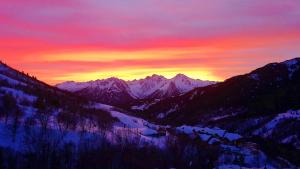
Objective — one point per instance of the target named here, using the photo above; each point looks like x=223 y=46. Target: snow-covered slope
x=27 y=102
x=131 y=123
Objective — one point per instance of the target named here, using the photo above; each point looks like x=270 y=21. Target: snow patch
x=163 y=115
x=267 y=129
x=222 y=117
x=11 y=81
x=254 y=76
x=204 y=132
x=19 y=95
x=293 y=65
x=139 y=107
x=134 y=124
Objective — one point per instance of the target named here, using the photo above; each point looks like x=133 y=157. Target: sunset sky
x=80 y=40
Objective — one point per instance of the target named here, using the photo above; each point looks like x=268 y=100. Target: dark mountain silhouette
x=248 y=104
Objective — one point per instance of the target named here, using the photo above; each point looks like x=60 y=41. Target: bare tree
x=44 y=113
x=16 y=122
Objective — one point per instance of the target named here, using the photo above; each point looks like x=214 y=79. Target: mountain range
x=119 y=92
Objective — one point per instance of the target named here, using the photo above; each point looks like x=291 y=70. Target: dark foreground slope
x=264 y=102
x=32 y=98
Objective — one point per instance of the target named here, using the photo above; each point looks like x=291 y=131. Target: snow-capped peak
x=155 y=76
x=181 y=76
x=185 y=83
x=145 y=87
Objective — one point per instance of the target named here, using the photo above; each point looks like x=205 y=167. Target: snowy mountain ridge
x=142 y=88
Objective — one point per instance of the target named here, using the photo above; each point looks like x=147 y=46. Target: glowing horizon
x=81 y=40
